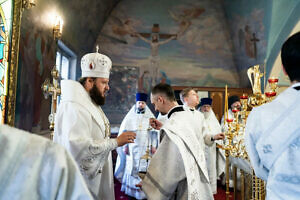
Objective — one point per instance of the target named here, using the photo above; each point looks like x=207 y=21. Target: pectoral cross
x=254 y=39
x=54 y=91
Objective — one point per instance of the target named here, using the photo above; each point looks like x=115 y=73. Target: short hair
x=290 y=57
x=165 y=89
x=184 y=93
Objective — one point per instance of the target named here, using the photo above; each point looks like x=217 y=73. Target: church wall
x=277 y=66
x=246 y=18
x=82 y=22
x=200 y=56
x=284 y=17
x=270 y=20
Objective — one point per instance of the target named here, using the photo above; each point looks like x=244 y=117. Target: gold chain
x=106 y=123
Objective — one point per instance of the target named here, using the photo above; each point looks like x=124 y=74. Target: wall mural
x=121 y=97
x=181 y=42
x=5 y=36
x=247 y=21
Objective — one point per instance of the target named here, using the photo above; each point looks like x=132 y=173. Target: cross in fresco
x=254 y=39
x=155 y=37
x=154 y=42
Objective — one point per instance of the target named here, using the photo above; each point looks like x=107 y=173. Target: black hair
x=82 y=80
x=290 y=57
x=232 y=100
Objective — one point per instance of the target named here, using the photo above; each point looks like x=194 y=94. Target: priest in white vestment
x=215 y=157
x=83 y=129
x=233 y=103
x=35 y=168
x=178 y=169
x=273 y=132
x=129 y=162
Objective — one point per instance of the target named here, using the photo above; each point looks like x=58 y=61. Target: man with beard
x=215 y=157
x=129 y=162
x=83 y=129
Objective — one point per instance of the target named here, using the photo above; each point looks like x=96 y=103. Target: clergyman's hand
x=155 y=123
x=219 y=136
x=126 y=137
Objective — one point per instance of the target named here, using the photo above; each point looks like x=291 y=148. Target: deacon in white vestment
x=129 y=162
x=35 y=168
x=273 y=132
x=178 y=169
x=215 y=157
x=190 y=99
x=83 y=129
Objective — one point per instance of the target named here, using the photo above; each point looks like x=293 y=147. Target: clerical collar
x=296 y=86
x=140 y=111
x=175 y=109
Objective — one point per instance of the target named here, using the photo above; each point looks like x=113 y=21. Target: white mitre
x=95 y=65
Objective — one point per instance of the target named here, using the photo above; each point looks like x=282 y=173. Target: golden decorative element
x=254 y=76
x=146 y=157
x=13 y=68
x=28 y=4
x=235 y=128
x=54 y=91
x=57 y=28
x=18 y=7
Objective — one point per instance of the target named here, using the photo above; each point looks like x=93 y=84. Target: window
x=66 y=62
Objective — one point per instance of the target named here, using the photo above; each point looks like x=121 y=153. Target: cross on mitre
x=103 y=61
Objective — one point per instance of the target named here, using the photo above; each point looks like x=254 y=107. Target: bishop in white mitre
x=83 y=128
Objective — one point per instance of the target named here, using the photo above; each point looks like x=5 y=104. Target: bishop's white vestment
x=178 y=169
x=83 y=129
x=129 y=156
x=273 y=144
x=34 y=168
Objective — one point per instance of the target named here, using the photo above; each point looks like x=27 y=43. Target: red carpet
x=118 y=194
x=221 y=195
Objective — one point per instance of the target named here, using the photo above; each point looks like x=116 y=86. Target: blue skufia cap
x=141 y=97
x=205 y=101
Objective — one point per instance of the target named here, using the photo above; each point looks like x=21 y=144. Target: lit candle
x=61 y=23
x=226 y=105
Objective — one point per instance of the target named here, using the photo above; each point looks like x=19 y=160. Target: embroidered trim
x=156 y=184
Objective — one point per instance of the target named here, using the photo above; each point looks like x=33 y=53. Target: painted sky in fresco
x=201 y=56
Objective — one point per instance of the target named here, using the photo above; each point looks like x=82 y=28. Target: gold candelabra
x=145 y=159
x=235 y=128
